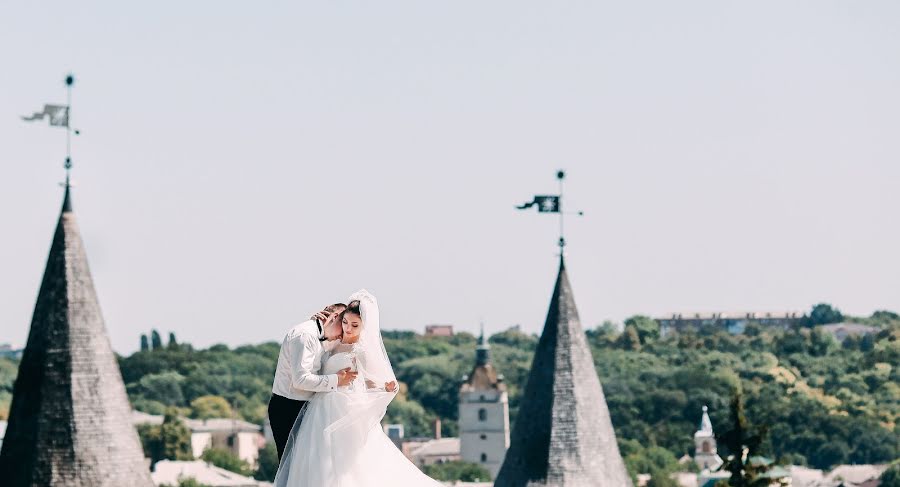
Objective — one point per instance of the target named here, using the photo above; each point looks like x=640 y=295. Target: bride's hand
x=390 y=386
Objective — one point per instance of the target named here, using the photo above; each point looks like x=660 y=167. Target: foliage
x=457 y=471
x=155 y=340
x=891 y=476
x=823 y=403
x=169 y=441
x=823 y=314
x=223 y=458
x=208 y=407
x=743 y=442
x=267 y=463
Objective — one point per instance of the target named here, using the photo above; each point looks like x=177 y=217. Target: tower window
x=483 y=457
x=706 y=448
x=482 y=414
x=483 y=437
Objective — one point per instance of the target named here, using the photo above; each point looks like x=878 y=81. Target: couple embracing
x=333 y=384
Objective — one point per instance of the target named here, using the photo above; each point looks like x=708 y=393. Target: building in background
x=439 y=330
x=705 y=450
x=732 y=322
x=840 y=331
x=241 y=438
x=484 y=413
x=70 y=420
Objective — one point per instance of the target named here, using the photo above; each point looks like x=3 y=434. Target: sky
x=241 y=165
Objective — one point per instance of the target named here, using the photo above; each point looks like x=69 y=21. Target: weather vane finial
x=59 y=116
x=553 y=204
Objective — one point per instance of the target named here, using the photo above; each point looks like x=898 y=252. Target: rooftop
x=171 y=472
x=439 y=447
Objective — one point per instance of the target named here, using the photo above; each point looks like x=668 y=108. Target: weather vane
x=59 y=116
x=553 y=204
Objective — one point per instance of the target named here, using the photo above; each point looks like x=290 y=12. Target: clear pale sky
x=243 y=164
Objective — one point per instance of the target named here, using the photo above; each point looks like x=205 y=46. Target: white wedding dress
x=339 y=442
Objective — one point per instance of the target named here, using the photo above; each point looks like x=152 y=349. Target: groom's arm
x=304 y=367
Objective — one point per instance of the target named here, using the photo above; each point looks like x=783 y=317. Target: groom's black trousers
x=282 y=414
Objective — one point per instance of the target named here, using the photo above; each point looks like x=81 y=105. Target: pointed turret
x=563 y=436
x=705 y=452
x=70 y=420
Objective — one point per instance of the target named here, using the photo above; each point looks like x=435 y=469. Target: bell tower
x=484 y=413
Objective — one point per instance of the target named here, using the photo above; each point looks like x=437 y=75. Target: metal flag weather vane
x=59 y=116
x=552 y=204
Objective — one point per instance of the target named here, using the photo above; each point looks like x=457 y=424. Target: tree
x=208 y=407
x=267 y=463
x=223 y=458
x=823 y=314
x=145 y=344
x=457 y=471
x=661 y=478
x=891 y=476
x=630 y=339
x=173 y=344
x=164 y=388
x=743 y=443
x=169 y=441
x=155 y=340
x=647 y=328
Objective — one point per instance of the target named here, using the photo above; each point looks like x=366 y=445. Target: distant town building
x=840 y=331
x=563 y=435
x=170 y=472
x=705 y=451
x=70 y=419
x=439 y=330
x=432 y=451
x=395 y=432
x=484 y=413
x=241 y=438
x=732 y=322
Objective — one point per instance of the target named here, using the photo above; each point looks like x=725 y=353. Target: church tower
x=563 y=436
x=484 y=413
x=70 y=420
x=705 y=452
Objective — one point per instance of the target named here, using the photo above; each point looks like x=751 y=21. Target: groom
x=297 y=373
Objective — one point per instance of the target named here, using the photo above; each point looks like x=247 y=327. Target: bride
x=338 y=441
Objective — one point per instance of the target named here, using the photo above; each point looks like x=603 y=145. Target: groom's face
x=332 y=327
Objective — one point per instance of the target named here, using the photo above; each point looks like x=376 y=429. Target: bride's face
x=352 y=324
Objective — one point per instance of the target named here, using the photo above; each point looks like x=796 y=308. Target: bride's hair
x=353 y=308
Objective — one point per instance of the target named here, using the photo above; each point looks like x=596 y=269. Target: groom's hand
x=345 y=377
x=390 y=386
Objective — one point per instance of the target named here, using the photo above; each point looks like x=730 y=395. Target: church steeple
x=70 y=420
x=563 y=436
x=483 y=352
x=705 y=452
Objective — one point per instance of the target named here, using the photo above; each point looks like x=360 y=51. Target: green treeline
x=822 y=402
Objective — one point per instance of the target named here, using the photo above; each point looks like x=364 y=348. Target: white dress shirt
x=299 y=363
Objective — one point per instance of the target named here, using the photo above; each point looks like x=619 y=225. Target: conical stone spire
x=70 y=420
x=563 y=435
